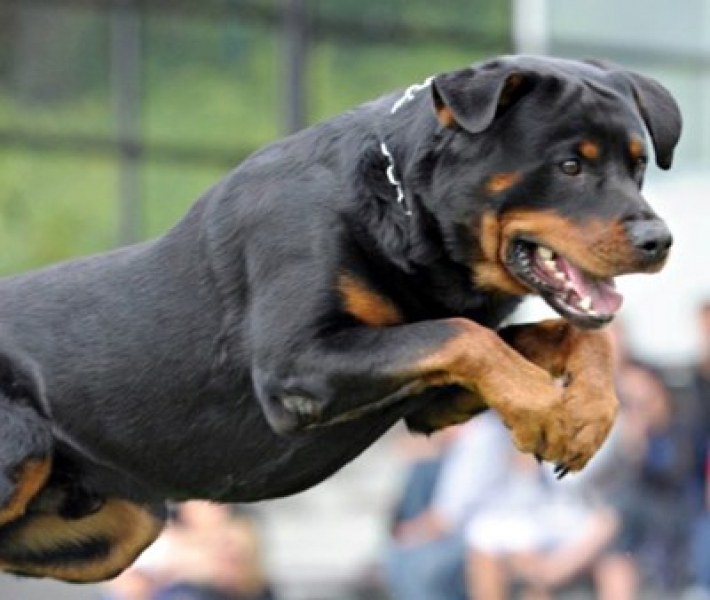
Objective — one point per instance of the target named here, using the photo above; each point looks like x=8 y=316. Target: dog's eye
x=571 y=166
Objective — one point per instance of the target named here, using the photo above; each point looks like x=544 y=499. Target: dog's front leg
x=582 y=361
x=347 y=374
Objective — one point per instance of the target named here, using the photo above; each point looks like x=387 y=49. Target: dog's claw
x=561 y=470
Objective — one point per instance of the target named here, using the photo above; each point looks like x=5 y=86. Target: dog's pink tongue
x=605 y=299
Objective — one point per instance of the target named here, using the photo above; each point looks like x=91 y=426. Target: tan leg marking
x=32 y=475
x=46 y=545
x=365 y=304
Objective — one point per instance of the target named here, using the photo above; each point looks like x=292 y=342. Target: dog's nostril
x=657 y=245
x=663 y=243
x=651 y=238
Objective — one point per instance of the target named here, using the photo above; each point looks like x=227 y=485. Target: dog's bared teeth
x=585 y=303
x=560 y=276
x=545 y=254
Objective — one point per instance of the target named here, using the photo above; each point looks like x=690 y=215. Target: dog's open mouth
x=582 y=299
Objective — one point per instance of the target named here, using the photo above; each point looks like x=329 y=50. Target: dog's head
x=537 y=184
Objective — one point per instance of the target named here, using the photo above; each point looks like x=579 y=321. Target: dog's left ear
x=657 y=108
x=471 y=98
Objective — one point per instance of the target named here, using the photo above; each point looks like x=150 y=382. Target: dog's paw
x=581 y=363
x=537 y=423
x=591 y=409
x=567 y=432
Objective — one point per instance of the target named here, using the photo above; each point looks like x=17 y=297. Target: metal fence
x=36 y=34
x=150 y=101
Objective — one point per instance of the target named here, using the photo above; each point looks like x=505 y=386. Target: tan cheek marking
x=496 y=278
x=636 y=148
x=600 y=248
x=589 y=150
x=488 y=273
x=488 y=236
x=502 y=181
x=366 y=304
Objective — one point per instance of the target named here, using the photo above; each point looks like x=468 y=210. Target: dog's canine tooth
x=560 y=275
x=545 y=253
x=585 y=303
x=550 y=265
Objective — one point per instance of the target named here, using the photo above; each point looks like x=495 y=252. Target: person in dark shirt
x=700 y=388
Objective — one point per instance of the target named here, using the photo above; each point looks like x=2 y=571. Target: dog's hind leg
x=25 y=457
x=93 y=548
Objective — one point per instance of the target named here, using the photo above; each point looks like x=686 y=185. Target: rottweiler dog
x=345 y=278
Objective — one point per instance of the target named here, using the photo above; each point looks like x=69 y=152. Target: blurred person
x=542 y=533
x=425 y=560
x=132 y=584
x=700 y=390
x=477 y=468
x=547 y=534
x=657 y=505
x=207 y=554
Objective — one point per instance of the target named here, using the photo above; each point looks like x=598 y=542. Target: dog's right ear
x=472 y=98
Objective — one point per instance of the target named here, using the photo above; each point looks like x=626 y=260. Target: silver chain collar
x=408 y=96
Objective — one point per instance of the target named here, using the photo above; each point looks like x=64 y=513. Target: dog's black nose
x=651 y=238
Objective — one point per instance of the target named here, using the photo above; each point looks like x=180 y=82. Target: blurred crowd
x=478 y=520
x=207 y=553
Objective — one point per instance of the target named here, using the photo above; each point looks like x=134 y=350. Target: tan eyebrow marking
x=589 y=149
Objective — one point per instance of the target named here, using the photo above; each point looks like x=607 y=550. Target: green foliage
x=206 y=84
x=53 y=207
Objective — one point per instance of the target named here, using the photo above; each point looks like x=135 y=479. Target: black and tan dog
x=338 y=281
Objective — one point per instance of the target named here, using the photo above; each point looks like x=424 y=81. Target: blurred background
x=116 y=114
